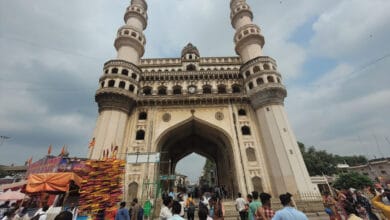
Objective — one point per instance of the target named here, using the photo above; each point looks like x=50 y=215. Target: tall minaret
x=120 y=82
x=262 y=81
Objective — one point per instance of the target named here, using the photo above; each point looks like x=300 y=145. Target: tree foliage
x=319 y=162
x=352 y=179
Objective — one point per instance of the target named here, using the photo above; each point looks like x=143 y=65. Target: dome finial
x=190 y=49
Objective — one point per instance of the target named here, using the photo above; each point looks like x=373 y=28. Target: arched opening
x=191 y=67
x=147 y=90
x=111 y=83
x=162 y=90
x=270 y=79
x=133 y=190
x=250 y=154
x=122 y=84
x=266 y=66
x=241 y=112
x=114 y=70
x=256 y=69
x=134 y=76
x=102 y=84
x=125 y=72
x=250 y=85
x=177 y=90
x=247 y=74
x=131 y=88
x=140 y=135
x=236 y=88
x=245 y=130
x=206 y=89
x=257 y=185
x=221 y=89
x=200 y=137
x=259 y=81
x=142 y=116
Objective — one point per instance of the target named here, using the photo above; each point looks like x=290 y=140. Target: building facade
x=228 y=109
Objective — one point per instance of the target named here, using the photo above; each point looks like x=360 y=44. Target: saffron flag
x=49 y=150
x=62 y=151
x=92 y=143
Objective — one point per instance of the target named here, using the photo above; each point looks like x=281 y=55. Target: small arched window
x=106 y=71
x=134 y=76
x=240 y=76
x=114 y=70
x=191 y=67
x=267 y=66
x=245 y=130
x=111 y=83
x=125 y=72
x=147 y=90
x=142 y=116
x=221 y=89
x=140 y=135
x=241 y=112
x=236 y=88
x=259 y=81
x=270 y=79
x=131 y=88
x=162 y=90
x=251 y=154
x=177 y=90
x=122 y=84
x=206 y=89
x=247 y=74
x=102 y=84
x=256 y=69
x=250 y=85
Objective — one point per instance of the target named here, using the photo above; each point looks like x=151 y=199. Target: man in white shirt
x=240 y=207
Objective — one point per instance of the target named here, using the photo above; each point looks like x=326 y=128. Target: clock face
x=191 y=89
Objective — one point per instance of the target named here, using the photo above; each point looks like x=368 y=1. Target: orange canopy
x=51 y=182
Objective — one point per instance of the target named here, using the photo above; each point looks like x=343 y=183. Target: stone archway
x=133 y=190
x=198 y=136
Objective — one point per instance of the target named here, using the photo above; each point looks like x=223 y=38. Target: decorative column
x=120 y=82
x=262 y=81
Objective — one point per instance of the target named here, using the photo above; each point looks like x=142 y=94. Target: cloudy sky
x=334 y=57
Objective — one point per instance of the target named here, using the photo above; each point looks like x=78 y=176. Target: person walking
x=254 y=205
x=330 y=207
x=265 y=211
x=190 y=205
x=288 y=211
x=136 y=213
x=165 y=211
x=240 y=207
x=176 y=208
x=123 y=212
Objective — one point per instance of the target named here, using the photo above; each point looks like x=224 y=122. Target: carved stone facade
x=229 y=109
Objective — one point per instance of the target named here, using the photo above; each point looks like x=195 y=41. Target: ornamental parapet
x=122 y=63
x=248 y=35
x=267 y=94
x=115 y=99
x=191 y=75
x=203 y=99
x=239 y=10
x=129 y=36
x=137 y=12
x=263 y=60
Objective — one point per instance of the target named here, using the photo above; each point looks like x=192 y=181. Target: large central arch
x=197 y=136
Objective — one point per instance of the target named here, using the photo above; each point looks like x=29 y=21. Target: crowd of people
x=253 y=208
x=14 y=212
x=354 y=204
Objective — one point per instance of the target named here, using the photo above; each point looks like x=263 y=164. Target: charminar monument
x=228 y=109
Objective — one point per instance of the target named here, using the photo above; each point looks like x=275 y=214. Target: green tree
x=2 y=173
x=352 y=180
